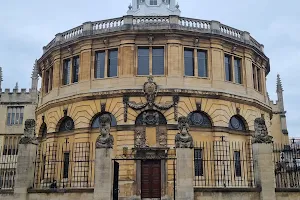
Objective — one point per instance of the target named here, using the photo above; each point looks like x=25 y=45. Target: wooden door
x=151 y=179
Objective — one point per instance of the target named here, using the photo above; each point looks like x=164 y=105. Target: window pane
x=202 y=64
x=158 y=61
x=8 y=118
x=198 y=162
x=228 y=70
x=51 y=79
x=238 y=70
x=143 y=61
x=66 y=71
x=254 y=76
x=76 y=61
x=47 y=81
x=258 y=80
x=100 y=64
x=153 y=2
x=189 y=62
x=112 y=70
x=66 y=165
x=21 y=115
x=237 y=163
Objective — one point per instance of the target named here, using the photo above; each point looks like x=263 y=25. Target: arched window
x=67 y=124
x=150 y=117
x=43 y=130
x=200 y=119
x=95 y=122
x=237 y=123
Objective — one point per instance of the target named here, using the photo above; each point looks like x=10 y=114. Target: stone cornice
x=162 y=92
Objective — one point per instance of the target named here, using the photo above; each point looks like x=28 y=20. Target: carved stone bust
x=29 y=133
x=261 y=132
x=105 y=139
x=183 y=139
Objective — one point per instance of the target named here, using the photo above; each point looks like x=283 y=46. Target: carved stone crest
x=150 y=91
x=140 y=137
x=183 y=139
x=105 y=139
x=29 y=133
x=261 y=132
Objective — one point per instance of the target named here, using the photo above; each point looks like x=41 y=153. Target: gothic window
x=67 y=124
x=153 y=2
x=95 y=122
x=199 y=119
x=150 y=117
x=237 y=123
x=14 y=115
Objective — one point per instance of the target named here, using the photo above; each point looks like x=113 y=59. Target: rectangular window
x=198 y=162
x=143 y=61
x=189 y=62
x=51 y=79
x=258 y=75
x=66 y=165
x=202 y=63
x=254 y=77
x=237 y=164
x=158 y=61
x=228 y=69
x=47 y=81
x=112 y=70
x=238 y=70
x=75 y=70
x=153 y=2
x=14 y=115
x=100 y=64
x=66 y=71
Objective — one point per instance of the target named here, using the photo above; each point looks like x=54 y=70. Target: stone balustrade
x=153 y=22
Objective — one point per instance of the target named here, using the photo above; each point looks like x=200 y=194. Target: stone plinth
x=184 y=174
x=103 y=174
x=264 y=170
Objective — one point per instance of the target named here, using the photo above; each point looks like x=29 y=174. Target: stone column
x=184 y=163
x=263 y=160
x=25 y=162
x=264 y=170
x=103 y=164
x=184 y=174
x=103 y=174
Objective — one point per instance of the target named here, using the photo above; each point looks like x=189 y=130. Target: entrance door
x=151 y=179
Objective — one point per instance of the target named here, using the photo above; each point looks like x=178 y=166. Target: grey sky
x=26 y=26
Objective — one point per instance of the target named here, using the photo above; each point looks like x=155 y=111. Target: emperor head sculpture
x=183 y=139
x=261 y=132
x=29 y=133
x=105 y=139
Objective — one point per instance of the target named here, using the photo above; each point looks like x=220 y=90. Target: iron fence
x=287 y=165
x=64 y=166
x=223 y=164
x=8 y=165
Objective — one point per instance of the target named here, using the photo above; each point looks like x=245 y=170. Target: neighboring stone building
x=15 y=107
x=176 y=101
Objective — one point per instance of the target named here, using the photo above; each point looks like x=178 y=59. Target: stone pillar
x=184 y=174
x=103 y=174
x=246 y=36
x=25 y=162
x=103 y=165
x=184 y=164
x=87 y=28
x=264 y=170
x=215 y=27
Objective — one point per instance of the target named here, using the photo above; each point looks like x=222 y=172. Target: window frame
x=257 y=78
x=47 y=78
x=71 y=76
x=200 y=161
x=106 y=62
x=152 y=2
x=233 y=57
x=196 y=62
x=15 y=114
x=150 y=48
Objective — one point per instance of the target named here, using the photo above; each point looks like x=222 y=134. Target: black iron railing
x=287 y=165
x=64 y=166
x=223 y=164
x=8 y=165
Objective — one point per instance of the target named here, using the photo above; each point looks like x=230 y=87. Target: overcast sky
x=27 y=26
